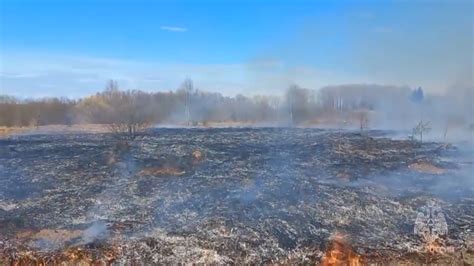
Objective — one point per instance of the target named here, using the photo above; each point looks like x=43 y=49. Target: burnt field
x=270 y=195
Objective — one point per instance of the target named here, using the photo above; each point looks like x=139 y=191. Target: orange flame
x=437 y=247
x=340 y=253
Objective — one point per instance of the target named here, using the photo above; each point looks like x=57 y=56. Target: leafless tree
x=445 y=132
x=421 y=128
x=34 y=112
x=125 y=112
x=290 y=101
x=297 y=100
x=363 y=120
x=187 y=89
x=130 y=111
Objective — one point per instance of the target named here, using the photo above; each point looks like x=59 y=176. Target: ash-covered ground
x=269 y=195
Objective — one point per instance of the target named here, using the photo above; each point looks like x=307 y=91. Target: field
x=232 y=195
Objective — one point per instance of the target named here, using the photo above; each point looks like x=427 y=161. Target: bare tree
x=420 y=129
x=297 y=100
x=290 y=101
x=445 y=132
x=363 y=120
x=126 y=114
x=187 y=89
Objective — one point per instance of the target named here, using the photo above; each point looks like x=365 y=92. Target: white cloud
x=174 y=28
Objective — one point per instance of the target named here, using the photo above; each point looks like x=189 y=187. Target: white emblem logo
x=430 y=223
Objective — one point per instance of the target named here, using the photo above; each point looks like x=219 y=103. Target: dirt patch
x=52 y=129
x=7 y=131
x=161 y=171
x=49 y=239
x=197 y=156
x=57 y=235
x=343 y=176
x=427 y=168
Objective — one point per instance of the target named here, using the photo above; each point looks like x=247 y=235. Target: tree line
x=131 y=110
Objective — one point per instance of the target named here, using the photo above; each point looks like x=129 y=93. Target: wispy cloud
x=19 y=75
x=41 y=75
x=383 y=29
x=174 y=28
x=78 y=76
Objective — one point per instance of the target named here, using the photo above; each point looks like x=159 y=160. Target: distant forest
x=189 y=106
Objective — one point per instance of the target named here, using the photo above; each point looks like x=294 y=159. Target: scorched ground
x=270 y=195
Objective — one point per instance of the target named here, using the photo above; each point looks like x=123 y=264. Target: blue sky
x=70 y=48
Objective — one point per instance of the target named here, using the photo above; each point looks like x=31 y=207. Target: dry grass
x=51 y=129
x=7 y=131
x=427 y=168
